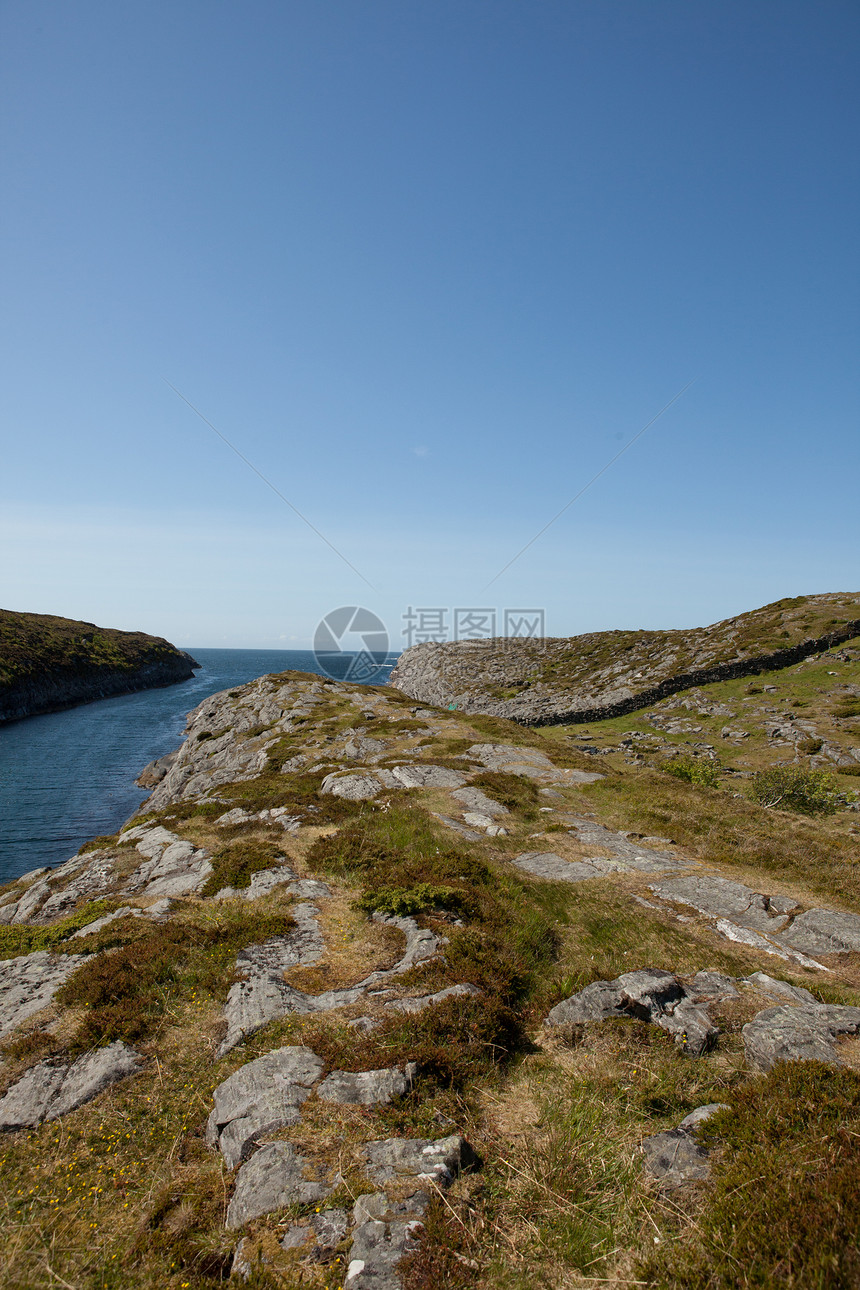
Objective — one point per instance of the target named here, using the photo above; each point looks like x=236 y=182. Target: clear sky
x=428 y=266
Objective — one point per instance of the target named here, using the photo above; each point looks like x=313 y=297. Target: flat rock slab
x=475 y=800
x=797 y=1034
x=260 y=1097
x=823 y=931
x=722 y=898
x=416 y=776
x=277 y=1175
x=263 y=995
x=397 y=1159
x=417 y=1003
x=626 y=854
x=51 y=1089
x=648 y=995
x=28 y=984
x=367 y=1088
x=554 y=868
x=782 y=989
x=355 y=788
x=464 y=832
x=674 y=1158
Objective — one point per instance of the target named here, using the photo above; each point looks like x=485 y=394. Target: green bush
x=694 y=770
x=402 y=901
x=235 y=865
x=811 y=792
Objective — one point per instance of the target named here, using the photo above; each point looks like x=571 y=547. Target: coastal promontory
x=48 y=663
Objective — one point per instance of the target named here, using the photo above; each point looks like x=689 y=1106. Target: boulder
x=398 y=1159
x=367 y=1088
x=823 y=931
x=277 y=1175
x=355 y=788
x=649 y=995
x=674 y=1158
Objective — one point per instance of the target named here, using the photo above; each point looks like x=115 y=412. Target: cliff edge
x=48 y=663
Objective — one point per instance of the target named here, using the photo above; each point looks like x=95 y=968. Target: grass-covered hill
x=604 y=674
x=367 y=996
x=47 y=662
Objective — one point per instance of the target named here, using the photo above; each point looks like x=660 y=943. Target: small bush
x=234 y=865
x=694 y=770
x=847 y=708
x=810 y=746
x=403 y=901
x=811 y=792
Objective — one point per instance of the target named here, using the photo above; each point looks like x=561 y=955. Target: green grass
x=783 y=1205
x=18 y=939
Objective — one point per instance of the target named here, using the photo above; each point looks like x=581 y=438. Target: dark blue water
x=68 y=776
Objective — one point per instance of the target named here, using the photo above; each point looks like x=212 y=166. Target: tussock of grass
x=783 y=1208
x=301 y=793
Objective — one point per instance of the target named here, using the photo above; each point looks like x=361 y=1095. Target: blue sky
x=428 y=266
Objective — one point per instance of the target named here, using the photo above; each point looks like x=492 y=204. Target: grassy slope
x=36 y=645
x=122 y=1193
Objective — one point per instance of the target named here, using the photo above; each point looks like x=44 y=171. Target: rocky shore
x=49 y=663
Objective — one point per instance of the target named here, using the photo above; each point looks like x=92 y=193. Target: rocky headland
x=380 y=995
x=546 y=681
x=48 y=663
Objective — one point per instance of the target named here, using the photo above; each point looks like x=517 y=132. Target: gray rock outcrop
x=51 y=1089
x=794 y=1034
x=648 y=995
x=260 y=1097
x=28 y=984
x=277 y=1175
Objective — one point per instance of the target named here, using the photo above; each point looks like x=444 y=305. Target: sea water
x=69 y=776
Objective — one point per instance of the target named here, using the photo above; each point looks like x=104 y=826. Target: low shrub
x=234 y=865
x=811 y=792
x=403 y=901
x=18 y=939
x=694 y=770
x=127 y=990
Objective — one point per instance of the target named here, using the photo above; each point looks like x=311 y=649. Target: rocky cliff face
x=606 y=674
x=48 y=663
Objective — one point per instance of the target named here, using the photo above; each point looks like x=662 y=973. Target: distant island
x=48 y=663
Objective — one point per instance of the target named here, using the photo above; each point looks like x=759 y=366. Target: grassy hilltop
x=47 y=662
x=601 y=674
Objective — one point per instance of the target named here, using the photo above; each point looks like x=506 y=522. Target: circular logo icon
x=351 y=644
